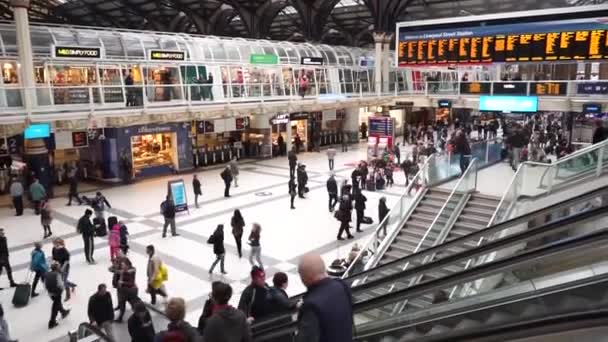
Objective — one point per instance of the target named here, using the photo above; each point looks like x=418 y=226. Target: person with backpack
x=226 y=324
x=227 y=177
x=157 y=274
x=196 y=187
x=114 y=241
x=140 y=325
x=238 y=223
x=167 y=209
x=217 y=240
x=253 y=299
x=38 y=266
x=99 y=204
x=54 y=286
x=101 y=310
x=85 y=227
x=178 y=329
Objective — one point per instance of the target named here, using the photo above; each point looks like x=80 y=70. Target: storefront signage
x=263 y=59
x=154 y=129
x=474 y=88
x=509 y=104
x=366 y=62
x=279 y=119
x=242 y=123
x=76 y=52
x=592 y=108
x=80 y=139
x=298 y=116
x=548 y=88
x=167 y=55
x=444 y=103
x=15 y=144
x=593 y=88
x=404 y=103
x=311 y=60
x=177 y=190
x=514 y=88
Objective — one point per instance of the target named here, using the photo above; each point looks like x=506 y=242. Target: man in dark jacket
x=461 y=147
x=355 y=177
x=332 y=190
x=4 y=261
x=293 y=161
x=253 y=298
x=326 y=314
x=85 y=227
x=140 y=325
x=178 y=329
x=73 y=193
x=196 y=186
x=226 y=324
x=344 y=216
x=302 y=180
x=217 y=239
x=600 y=133
x=101 y=310
x=167 y=208
x=360 y=200
x=517 y=140
x=227 y=177
x=382 y=213
x=278 y=300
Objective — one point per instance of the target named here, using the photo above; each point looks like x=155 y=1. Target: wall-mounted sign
x=76 y=52
x=592 y=108
x=592 y=88
x=509 y=104
x=444 y=103
x=311 y=60
x=177 y=190
x=167 y=55
x=548 y=88
x=279 y=119
x=80 y=139
x=242 y=123
x=508 y=88
x=263 y=59
x=366 y=62
x=299 y=116
x=474 y=87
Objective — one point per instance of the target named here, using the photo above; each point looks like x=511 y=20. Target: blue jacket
x=38 y=263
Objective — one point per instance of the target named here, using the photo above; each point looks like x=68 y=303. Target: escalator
x=475 y=216
x=505 y=241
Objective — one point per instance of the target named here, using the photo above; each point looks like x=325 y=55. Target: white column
x=386 y=62
x=379 y=40
x=288 y=137
x=351 y=121
x=24 y=47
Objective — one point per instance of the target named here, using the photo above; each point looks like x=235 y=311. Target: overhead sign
x=592 y=108
x=80 y=139
x=311 y=60
x=548 y=88
x=592 y=88
x=515 y=88
x=281 y=118
x=167 y=55
x=177 y=190
x=509 y=104
x=76 y=52
x=444 y=103
x=559 y=40
x=263 y=59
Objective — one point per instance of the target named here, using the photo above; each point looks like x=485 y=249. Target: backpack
x=51 y=283
x=163 y=206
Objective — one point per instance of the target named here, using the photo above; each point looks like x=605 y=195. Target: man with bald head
x=326 y=314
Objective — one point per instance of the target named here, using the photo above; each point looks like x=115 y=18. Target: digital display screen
x=444 y=103
x=178 y=193
x=509 y=104
x=162 y=55
x=80 y=139
x=563 y=40
x=76 y=52
x=592 y=108
x=37 y=131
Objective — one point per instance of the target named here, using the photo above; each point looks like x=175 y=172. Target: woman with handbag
x=237 y=222
x=217 y=239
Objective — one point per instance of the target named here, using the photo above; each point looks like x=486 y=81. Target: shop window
x=112 y=84
x=10 y=73
x=163 y=83
x=43 y=92
x=71 y=84
x=321 y=81
x=10 y=77
x=288 y=82
x=154 y=150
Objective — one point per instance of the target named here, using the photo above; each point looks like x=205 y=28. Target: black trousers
x=293 y=196
x=331 y=164
x=360 y=213
x=36 y=207
x=57 y=307
x=71 y=195
x=301 y=190
x=344 y=227
x=5 y=264
x=153 y=292
x=226 y=189
x=464 y=163
x=239 y=244
x=126 y=295
x=292 y=171
x=89 y=247
x=18 y=204
x=333 y=199
x=38 y=275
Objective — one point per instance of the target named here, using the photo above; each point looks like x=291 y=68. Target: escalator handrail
x=458 y=241
x=595 y=238
x=94 y=329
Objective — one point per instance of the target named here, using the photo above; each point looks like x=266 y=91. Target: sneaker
x=34 y=294
x=65 y=313
x=53 y=324
x=176 y=234
x=224 y=272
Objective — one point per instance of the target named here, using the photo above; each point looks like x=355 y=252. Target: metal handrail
x=375 y=236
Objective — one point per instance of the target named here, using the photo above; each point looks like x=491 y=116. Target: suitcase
x=21 y=297
x=100 y=227
x=370 y=185
x=367 y=220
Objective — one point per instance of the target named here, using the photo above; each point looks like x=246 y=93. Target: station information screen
x=565 y=40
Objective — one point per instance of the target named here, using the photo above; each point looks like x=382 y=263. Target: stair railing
x=377 y=244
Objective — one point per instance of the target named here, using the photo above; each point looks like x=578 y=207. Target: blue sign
x=444 y=103
x=509 y=104
x=593 y=88
x=592 y=108
x=178 y=192
x=36 y=131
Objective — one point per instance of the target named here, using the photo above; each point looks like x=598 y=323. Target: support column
x=288 y=136
x=379 y=40
x=24 y=47
x=386 y=62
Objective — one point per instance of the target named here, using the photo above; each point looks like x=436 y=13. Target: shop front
x=218 y=141
x=147 y=150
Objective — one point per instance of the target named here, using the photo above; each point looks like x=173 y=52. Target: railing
x=393 y=220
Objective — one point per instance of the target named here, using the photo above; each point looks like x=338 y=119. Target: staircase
x=475 y=216
x=418 y=223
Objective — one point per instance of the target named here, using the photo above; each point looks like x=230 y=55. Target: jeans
x=70 y=196
x=360 y=214
x=344 y=228
x=331 y=164
x=226 y=189
x=38 y=275
x=169 y=221
x=218 y=258
x=196 y=199
x=89 y=247
x=256 y=253
x=57 y=307
x=464 y=163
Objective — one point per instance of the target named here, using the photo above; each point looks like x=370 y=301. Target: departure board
x=565 y=40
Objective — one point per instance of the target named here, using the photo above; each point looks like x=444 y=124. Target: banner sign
x=509 y=104
x=548 y=88
x=558 y=40
x=177 y=190
x=167 y=55
x=311 y=60
x=76 y=52
x=592 y=88
x=263 y=59
x=507 y=88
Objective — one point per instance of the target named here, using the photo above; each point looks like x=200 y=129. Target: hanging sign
x=278 y=119
x=444 y=103
x=311 y=60
x=80 y=139
x=167 y=55
x=76 y=52
x=177 y=190
x=242 y=123
x=263 y=59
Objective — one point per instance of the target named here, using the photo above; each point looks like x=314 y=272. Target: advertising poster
x=177 y=189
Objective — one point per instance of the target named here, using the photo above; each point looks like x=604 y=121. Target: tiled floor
x=286 y=235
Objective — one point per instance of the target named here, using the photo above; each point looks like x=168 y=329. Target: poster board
x=177 y=190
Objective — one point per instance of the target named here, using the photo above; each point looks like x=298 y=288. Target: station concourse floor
x=261 y=196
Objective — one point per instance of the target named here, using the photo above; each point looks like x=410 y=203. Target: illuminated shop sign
x=76 y=52
x=444 y=103
x=515 y=104
x=311 y=60
x=165 y=55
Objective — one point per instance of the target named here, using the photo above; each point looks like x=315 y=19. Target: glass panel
x=112 y=84
x=71 y=84
x=133 y=46
x=162 y=84
x=113 y=46
x=41 y=40
x=288 y=81
x=321 y=81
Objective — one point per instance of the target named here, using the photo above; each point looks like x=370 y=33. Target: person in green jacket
x=38 y=194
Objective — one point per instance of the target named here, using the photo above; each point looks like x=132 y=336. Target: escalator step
x=410 y=335
x=499 y=317
x=467 y=323
x=438 y=329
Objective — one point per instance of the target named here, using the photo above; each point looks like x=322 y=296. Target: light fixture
x=379 y=109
